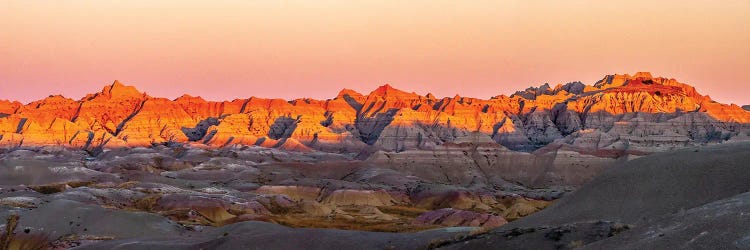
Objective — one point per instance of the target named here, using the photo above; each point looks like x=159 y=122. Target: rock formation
x=620 y=113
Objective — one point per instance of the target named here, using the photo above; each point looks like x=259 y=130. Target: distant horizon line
x=345 y=88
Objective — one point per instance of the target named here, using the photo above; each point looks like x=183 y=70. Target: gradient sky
x=229 y=49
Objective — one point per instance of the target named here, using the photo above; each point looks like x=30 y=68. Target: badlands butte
x=122 y=169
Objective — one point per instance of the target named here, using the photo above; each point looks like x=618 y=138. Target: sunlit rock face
x=618 y=113
x=387 y=161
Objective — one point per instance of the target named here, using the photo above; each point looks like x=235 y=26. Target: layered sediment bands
x=621 y=113
x=488 y=164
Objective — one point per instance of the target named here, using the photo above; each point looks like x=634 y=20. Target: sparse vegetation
x=9 y=240
x=575 y=244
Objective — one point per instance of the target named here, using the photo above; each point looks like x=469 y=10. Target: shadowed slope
x=654 y=185
x=260 y=235
x=647 y=192
x=722 y=224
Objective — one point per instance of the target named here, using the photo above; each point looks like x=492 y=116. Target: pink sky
x=230 y=49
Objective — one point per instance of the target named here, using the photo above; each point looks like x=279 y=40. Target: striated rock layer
x=619 y=115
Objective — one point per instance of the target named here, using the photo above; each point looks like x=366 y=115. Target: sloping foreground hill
x=694 y=198
x=723 y=224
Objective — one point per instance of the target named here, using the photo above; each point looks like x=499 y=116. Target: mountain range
x=628 y=162
x=618 y=114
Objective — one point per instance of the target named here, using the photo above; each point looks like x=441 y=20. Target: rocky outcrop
x=622 y=113
x=660 y=211
x=540 y=137
x=472 y=163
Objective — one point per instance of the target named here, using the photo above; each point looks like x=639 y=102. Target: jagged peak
x=57 y=97
x=640 y=81
x=608 y=80
x=618 y=80
x=119 y=90
x=117 y=83
x=387 y=90
x=498 y=97
x=532 y=92
x=643 y=74
x=576 y=87
x=349 y=92
x=384 y=89
x=644 y=82
x=187 y=97
x=52 y=99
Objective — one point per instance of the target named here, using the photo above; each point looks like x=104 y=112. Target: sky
x=222 y=50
